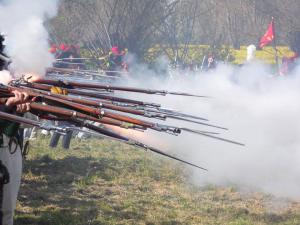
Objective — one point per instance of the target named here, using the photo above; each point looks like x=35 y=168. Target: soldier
x=116 y=61
x=10 y=148
x=69 y=57
x=209 y=62
x=289 y=63
x=4 y=60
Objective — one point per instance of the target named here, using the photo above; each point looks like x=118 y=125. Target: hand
x=23 y=108
x=20 y=100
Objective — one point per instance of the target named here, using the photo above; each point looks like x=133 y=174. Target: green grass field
x=267 y=54
x=195 y=53
x=104 y=182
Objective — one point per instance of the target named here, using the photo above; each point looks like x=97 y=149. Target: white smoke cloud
x=5 y=77
x=27 y=39
x=260 y=109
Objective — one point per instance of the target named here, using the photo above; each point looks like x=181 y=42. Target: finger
x=15 y=92
x=17 y=97
x=26 y=96
x=13 y=100
x=24 y=107
x=18 y=110
x=22 y=97
x=27 y=107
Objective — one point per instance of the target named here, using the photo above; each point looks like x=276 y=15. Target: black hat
x=1 y=42
x=2 y=38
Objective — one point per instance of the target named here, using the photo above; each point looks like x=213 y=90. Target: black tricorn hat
x=2 y=38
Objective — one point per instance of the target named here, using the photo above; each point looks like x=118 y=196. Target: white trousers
x=13 y=163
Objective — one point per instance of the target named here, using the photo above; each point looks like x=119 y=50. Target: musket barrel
x=109 y=87
x=89 y=94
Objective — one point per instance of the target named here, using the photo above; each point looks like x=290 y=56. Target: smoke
x=5 y=77
x=260 y=109
x=26 y=37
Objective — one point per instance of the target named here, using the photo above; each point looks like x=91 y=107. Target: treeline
x=172 y=24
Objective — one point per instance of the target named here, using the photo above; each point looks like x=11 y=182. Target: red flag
x=269 y=35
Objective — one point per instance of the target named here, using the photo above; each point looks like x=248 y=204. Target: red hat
x=115 y=50
x=53 y=49
x=62 y=47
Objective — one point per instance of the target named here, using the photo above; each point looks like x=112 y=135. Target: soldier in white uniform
x=10 y=148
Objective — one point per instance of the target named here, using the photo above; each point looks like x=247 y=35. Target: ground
x=104 y=182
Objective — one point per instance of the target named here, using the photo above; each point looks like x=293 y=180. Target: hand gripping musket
x=139 y=105
x=40 y=109
x=158 y=113
x=100 y=131
x=112 y=99
x=97 y=112
x=144 y=112
x=129 y=103
x=117 y=88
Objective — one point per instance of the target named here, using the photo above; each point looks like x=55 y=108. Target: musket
x=22 y=120
x=113 y=135
x=125 y=118
x=69 y=63
x=141 y=123
x=107 y=105
x=107 y=117
x=39 y=109
x=96 y=112
x=109 y=87
x=69 y=59
x=85 y=72
x=170 y=112
x=100 y=131
x=91 y=94
x=59 y=111
x=101 y=116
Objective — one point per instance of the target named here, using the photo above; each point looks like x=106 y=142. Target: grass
x=196 y=53
x=104 y=182
x=267 y=54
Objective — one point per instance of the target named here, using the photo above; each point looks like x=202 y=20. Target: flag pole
x=275 y=46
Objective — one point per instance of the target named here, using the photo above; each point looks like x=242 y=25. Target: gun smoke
x=260 y=110
x=26 y=37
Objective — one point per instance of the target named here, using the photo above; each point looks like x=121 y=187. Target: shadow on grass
x=59 y=191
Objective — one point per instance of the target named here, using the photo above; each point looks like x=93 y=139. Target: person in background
x=209 y=63
x=289 y=63
x=251 y=51
x=68 y=56
x=116 y=61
